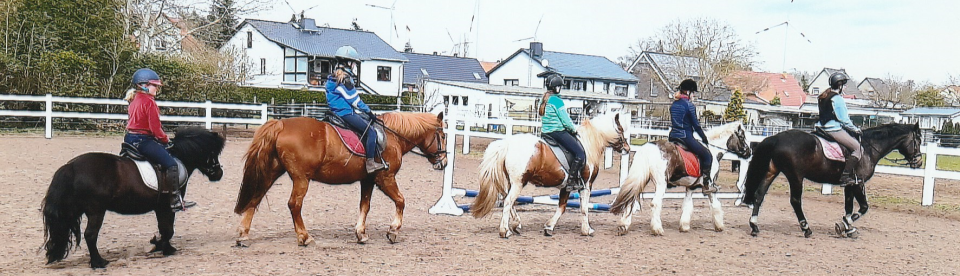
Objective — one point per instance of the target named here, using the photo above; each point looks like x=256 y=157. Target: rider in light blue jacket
x=835 y=121
x=344 y=100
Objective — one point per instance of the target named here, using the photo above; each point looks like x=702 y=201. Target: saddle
x=148 y=171
x=351 y=138
x=831 y=149
x=690 y=161
x=561 y=152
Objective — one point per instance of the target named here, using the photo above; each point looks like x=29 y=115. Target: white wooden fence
x=50 y=100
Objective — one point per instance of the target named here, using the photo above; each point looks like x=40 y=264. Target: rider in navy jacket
x=683 y=122
x=344 y=100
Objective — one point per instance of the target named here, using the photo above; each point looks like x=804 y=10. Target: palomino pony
x=661 y=163
x=308 y=149
x=509 y=164
x=799 y=156
x=93 y=183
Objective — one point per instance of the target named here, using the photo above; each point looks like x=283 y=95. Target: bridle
x=743 y=143
x=213 y=164
x=912 y=161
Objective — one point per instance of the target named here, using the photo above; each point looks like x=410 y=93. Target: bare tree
x=152 y=21
x=893 y=92
x=715 y=43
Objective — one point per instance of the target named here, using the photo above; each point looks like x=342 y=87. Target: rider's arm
x=692 y=114
x=352 y=97
x=840 y=109
x=153 y=118
x=566 y=121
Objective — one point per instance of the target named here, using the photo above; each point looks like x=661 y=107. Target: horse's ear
x=916 y=126
x=440 y=117
x=616 y=117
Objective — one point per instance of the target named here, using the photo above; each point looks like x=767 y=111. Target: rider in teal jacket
x=557 y=124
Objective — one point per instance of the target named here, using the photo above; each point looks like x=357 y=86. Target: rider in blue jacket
x=683 y=122
x=835 y=121
x=344 y=100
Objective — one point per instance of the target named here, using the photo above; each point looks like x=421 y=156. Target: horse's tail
x=758 y=168
x=61 y=220
x=259 y=162
x=638 y=176
x=493 y=179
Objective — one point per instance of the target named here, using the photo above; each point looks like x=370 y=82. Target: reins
x=440 y=150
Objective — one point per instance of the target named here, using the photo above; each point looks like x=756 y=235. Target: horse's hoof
x=622 y=230
x=589 y=232
x=718 y=228
x=684 y=229
x=504 y=234
x=853 y=233
x=657 y=231
x=101 y=263
x=169 y=250
x=807 y=233
x=754 y=233
x=241 y=244
x=516 y=229
x=547 y=232
x=362 y=237
x=393 y=237
x=305 y=242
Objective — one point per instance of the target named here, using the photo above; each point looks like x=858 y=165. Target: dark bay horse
x=660 y=162
x=93 y=183
x=509 y=164
x=799 y=156
x=308 y=149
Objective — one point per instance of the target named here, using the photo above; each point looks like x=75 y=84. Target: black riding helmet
x=688 y=85
x=554 y=83
x=838 y=79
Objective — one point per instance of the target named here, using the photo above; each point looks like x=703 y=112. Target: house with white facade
x=821 y=82
x=299 y=54
x=586 y=73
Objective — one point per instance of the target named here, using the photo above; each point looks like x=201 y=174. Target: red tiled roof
x=487 y=65
x=767 y=86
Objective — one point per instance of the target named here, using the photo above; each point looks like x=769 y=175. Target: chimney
x=536 y=49
x=434 y=52
x=455 y=54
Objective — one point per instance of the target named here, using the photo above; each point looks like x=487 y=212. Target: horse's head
x=199 y=149
x=606 y=129
x=737 y=143
x=910 y=147
x=621 y=144
x=421 y=130
x=433 y=148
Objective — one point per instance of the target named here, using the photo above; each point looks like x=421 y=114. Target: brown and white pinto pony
x=660 y=162
x=308 y=149
x=509 y=164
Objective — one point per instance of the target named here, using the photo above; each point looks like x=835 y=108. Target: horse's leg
x=300 y=186
x=245 y=227
x=585 y=229
x=390 y=188
x=656 y=225
x=561 y=208
x=515 y=216
x=796 y=190
x=717 y=209
x=366 y=191
x=94 y=221
x=687 y=211
x=512 y=194
x=761 y=193
x=845 y=227
x=165 y=219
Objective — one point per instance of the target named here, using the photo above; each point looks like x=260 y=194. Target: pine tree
x=775 y=101
x=222 y=19
x=734 y=109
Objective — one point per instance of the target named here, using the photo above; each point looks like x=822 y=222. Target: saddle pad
x=351 y=140
x=831 y=150
x=149 y=175
x=690 y=162
x=561 y=156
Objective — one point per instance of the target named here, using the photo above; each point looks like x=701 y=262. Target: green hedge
x=285 y=96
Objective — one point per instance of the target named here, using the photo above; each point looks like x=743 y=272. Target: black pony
x=93 y=183
x=799 y=156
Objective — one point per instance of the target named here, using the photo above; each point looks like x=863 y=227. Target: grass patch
x=944 y=162
x=637 y=141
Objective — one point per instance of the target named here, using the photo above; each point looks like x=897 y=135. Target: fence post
x=49 y=121
x=208 y=105
x=607 y=158
x=446 y=204
x=264 y=110
x=466 y=135
x=624 y=167
x=930 y=168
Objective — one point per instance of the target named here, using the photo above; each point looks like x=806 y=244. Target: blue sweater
x=683 y=120
x=843 y=117
x=343 y=100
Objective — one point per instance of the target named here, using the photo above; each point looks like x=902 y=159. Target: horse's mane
x=722 y=132
x=887 y=131
x=410 y=124
x=194 y=142
x=596 y=133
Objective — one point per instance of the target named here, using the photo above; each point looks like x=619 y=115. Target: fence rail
x=49 y=101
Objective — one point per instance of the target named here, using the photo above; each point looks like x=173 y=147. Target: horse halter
x=912 y=161
x=438 y=135
x=212 y=165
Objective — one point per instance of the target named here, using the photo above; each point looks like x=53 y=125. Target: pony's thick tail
x=493 y=179
x=638 y=176
x=758 y=168
x=260 y=160
x=61 y=219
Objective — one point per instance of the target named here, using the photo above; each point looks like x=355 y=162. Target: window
x=606 y=87
x=816 y=90
x=249 y=39
x=294 y=66
x=263 y=66
x=383 y=73
x=511 y=82
x=620 y=89
x=465 y=100
x=578 y=85
x=424 y=71
x=653 y=89
x=476 y=76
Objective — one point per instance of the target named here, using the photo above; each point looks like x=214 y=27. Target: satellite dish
x=545 y=63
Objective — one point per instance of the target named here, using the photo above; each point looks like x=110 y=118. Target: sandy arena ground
x=891 y=242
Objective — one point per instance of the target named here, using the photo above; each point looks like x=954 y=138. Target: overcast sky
x=918 y=40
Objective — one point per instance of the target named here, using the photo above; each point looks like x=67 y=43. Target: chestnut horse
x=511 y=163
x=308 y=149
x=660 y=162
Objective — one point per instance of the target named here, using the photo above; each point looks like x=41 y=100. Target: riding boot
x=171 y=187
x=708 y=185
x=373 y=165
x=575 y=181
x=849 y=176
